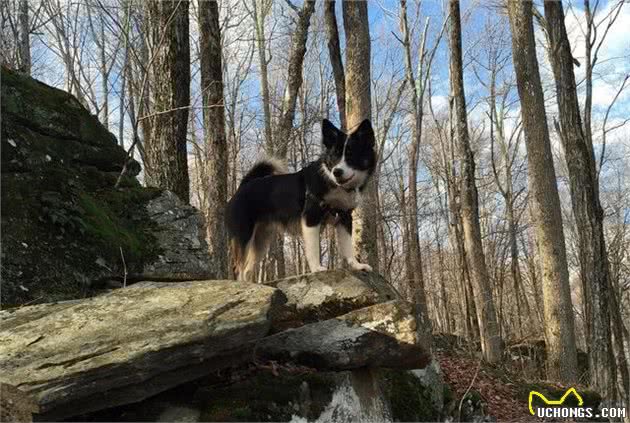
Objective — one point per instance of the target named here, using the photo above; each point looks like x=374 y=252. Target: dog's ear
x=365 y=133
x=330 y=134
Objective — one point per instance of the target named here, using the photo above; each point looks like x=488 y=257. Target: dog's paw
x=355 y=265
x=319 y=268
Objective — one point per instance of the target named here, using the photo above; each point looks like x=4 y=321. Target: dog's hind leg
x=256 y=249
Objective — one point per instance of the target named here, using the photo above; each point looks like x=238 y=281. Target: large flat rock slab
x=80 y=356
x=382 y=335
x=319 y=296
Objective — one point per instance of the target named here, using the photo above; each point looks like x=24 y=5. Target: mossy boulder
x=66 y=229
x=279 y=395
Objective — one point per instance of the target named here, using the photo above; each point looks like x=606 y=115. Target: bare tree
x=24 y=38
x=166 y=157
x=294 y=75
x=417 y=85
x=358 y=108
x=544 y=199
x=216 y=163
x=98 y=35
x=486 y=314
x=494 y=61
x=595 y=35
x=586 y=207
x=259 y=12
x=334 y=52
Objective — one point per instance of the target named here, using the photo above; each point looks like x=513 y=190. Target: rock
x=53 y=126
x=180 y=234
x=474 y=408
x=531 y=356
x=358 y=398
x=15 y=405
x=430 y=378
x=268 y=397
x=382 y=335
x=177 y=413
x=322 y=295
x=128 y=345
x=296 y=397
x=314 y=297
x=66 y=229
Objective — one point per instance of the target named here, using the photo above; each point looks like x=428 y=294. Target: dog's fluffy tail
x=265 y=167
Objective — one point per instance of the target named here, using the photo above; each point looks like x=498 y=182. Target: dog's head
x=348 y=159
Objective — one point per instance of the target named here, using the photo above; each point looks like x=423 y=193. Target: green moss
x=408 y=399
x=227 y=411
x=109 y=218
x=61 y=215
x=50 y=110
x=265 y=397
x=448 y=394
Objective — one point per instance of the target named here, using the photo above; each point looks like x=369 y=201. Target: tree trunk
x=414 y=269
x=24 y=48
x=104 y=76
x=294 y=78
x=486 y=315
x=544 y=199
x=260 y=11
x=216 y=161
x=121 y=98
x=99 y=40
x=166 y=161
x=359 y=107
x=589 y=216
x=287 y=114
x=334 y=51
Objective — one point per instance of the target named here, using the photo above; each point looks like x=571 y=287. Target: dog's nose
x=338 y=173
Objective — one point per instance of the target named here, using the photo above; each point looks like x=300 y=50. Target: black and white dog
x=326 y=191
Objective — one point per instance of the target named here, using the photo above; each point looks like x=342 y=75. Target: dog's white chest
x=339 y=198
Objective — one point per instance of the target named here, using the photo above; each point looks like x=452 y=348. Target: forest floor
x=503 y=391
x=502 y=399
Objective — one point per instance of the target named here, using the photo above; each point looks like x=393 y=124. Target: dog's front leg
x=311 y=224
x=344 y=240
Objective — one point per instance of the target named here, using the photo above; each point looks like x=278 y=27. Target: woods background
x=501 y=200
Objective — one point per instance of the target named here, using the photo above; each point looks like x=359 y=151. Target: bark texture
x=334 y=51
x=486 y=314
x=166 y=162
x=24 y=48
x=544 y=199
x=413 y=255
x=260 y=10
x=216 y=162
x=589 y=216
x=294 y=77
x=358 y=108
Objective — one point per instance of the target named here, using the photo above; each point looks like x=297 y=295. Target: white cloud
x=439 y=102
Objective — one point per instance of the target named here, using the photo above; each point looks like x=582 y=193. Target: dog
x=269 y=200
